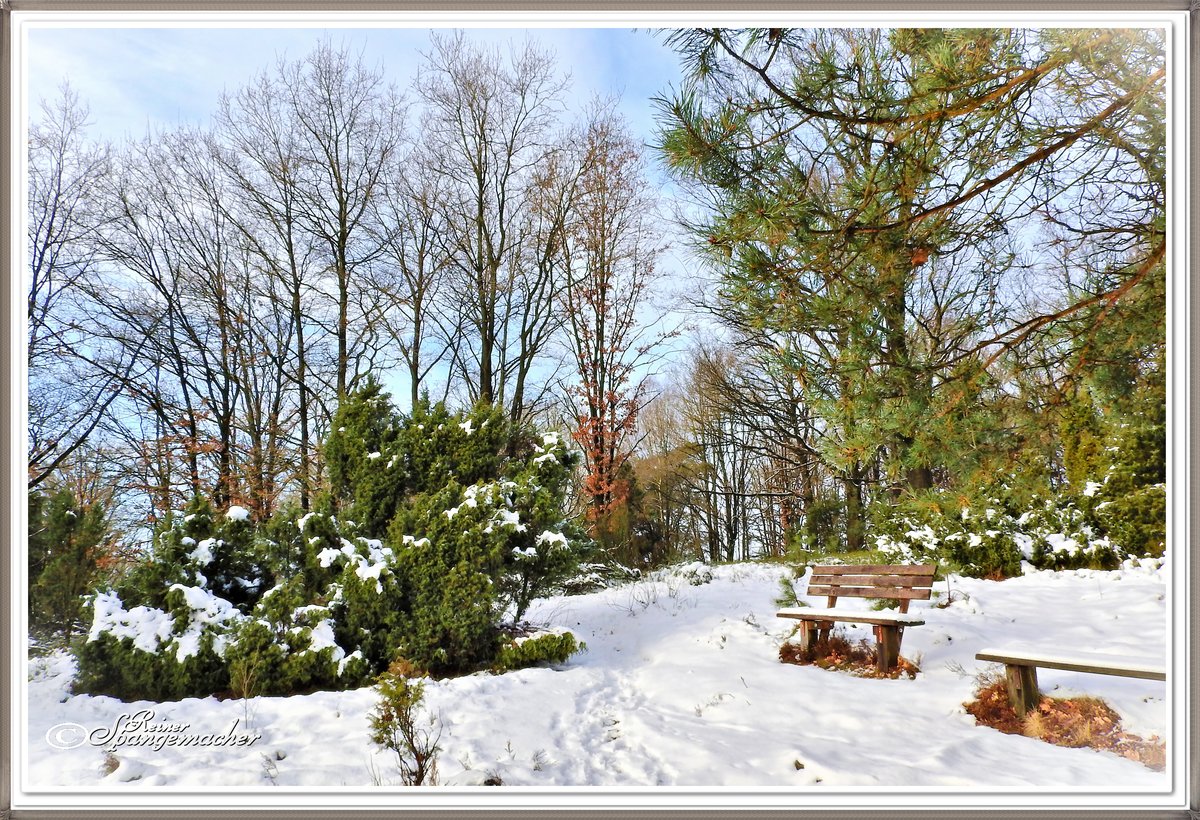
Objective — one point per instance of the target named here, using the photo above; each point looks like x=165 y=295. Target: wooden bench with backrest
x=1021 y=665
x=901 y=582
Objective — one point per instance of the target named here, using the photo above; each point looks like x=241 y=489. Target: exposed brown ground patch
x=838 y=653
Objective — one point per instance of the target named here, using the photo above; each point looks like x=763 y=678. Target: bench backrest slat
x=898 y=593
x=902 y=582
x=821 y=579
x=877 y=569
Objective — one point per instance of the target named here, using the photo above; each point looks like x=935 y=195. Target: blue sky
x=141 y=79
x=134 y=78
x=138 y=80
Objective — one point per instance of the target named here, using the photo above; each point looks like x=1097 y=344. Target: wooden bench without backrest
x=902 y=582
x=1020 y=670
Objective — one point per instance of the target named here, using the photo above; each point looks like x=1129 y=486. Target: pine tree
x=455 y=519
x=866 y=192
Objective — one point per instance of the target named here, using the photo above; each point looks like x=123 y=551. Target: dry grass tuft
x=838 y=653
x=1072 y=722
x=404 y=668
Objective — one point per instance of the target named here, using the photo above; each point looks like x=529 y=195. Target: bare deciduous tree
x=349 y=124
x=69 y=389
x=411 y=275
x=258 y=142
x=489 y=125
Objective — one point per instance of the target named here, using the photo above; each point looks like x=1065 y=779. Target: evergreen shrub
x=538 y=650
x=992 y=538
x=437 y=527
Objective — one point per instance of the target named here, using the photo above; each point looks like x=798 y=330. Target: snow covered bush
x=991 y=538
x=143 y=652
x=1137 y=518
x=202 y=548
x=437 y=527
x=296 y=542
x=1131 y=498
x=1103 y=500
x=592 y=576
x=162 y=632
x=1065 y=533
x=369 y=606
x=478 y=531
x=288 y=646
x=255 y=661
x=378 y=459
x=391 y=465
x=466 y=556
x=987 y=545
x=695 y=573
x=1115 y=443
x=911 y=532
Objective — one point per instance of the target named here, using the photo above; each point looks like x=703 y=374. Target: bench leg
x=1022 y=688
x=887 y=641
x=808 y=635
x=813 y=631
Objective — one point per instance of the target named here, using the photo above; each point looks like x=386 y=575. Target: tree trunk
x=855 y=521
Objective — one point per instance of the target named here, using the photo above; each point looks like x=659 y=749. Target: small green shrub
x=255 y=661
x=66 y=542
x=397 y=724
x=788 y=595
x=990 y=554
x=542 y=649
x=822 y=530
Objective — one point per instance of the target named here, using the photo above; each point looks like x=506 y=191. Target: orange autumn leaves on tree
x=611 y=249
x=600 y=440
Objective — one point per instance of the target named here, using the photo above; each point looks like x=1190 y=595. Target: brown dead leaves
x=1072 y=722
x=838 y=653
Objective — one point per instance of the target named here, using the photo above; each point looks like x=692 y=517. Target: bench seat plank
x=1076 y=662
x=883 y=617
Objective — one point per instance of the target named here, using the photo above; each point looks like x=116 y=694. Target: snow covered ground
x=680 y=686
